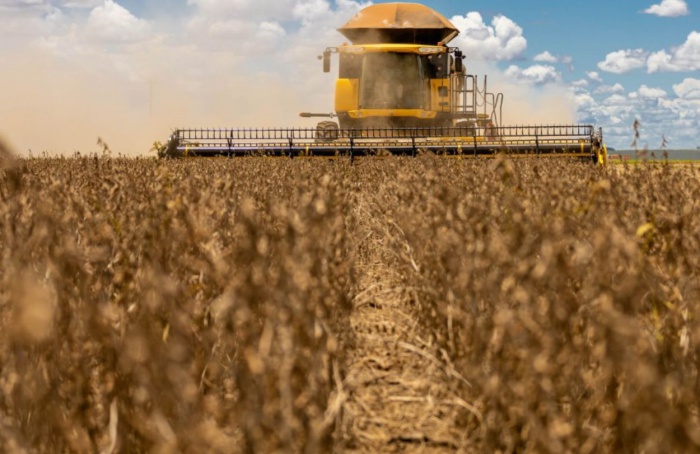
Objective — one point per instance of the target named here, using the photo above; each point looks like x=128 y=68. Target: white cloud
x=22 y=5
x=669 y=8
x=623 y=61
x=270 y=31
x=23 y=23
x=614 y=100
x=112 y=23
x=584 y=100
x=251 y=37
x=567 y=60
x=79 y=3
x=310 y=11
x=294 y=29
x=608 y=89
x=545 y=57
x=535 y=74
x=686 y=113
x=651 y=93
x=32 y=7
x=212 y=69
x=594 y=76
x=678 y=118
x=233 y=61
x=501 y=41
x=685 y=57
x=246 y=10
x=688 y=89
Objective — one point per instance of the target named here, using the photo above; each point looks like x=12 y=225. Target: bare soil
x=401 y=392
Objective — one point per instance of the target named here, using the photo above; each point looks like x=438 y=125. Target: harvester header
x=400 y=89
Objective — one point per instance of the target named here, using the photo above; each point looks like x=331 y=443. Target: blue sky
x=128 y=71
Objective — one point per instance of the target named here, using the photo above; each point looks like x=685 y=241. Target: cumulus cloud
x=232 y=62
x=606 y=89
x=291 y=28
x=650 y=93
x=614 y=100
x=26 y=22
x=535 y=74
x=217 y=67
x=678 y=118
x=310 y=11
x=545 y=57
x=79 y=3
x=270 y=31
x=584 y=100
x=688 y=89
x=685 y=57
x=113 y=23
x=22 y=5
x=252 y=10
x=567 y=60
x=594 y=76
x=503 y=40
x=623 y=61
x=669 y=8
x=16 y=8
x=252 y=38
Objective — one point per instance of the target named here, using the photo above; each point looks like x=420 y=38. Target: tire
x=466 y=128
x=326 y=131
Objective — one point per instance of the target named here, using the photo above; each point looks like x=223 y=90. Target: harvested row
x=399 y=395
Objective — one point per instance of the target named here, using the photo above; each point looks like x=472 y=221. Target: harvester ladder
x=464 y=91
x=472 y=102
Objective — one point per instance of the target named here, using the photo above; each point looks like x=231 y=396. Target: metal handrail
x=503 y=132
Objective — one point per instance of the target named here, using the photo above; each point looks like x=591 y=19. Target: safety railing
x=212 y=135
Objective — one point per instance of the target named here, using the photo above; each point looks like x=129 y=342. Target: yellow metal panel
x=418 y=113
x=397 y=15
x=390 y=47
x=346 y=95
x=392 y=17
x=436 y=101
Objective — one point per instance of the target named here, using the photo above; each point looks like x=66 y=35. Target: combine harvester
x=401 y=90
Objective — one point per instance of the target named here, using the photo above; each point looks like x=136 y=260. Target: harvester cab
x=398 y=72
x=401 y=90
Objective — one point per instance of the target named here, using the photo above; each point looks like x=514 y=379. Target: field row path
x=400 y=393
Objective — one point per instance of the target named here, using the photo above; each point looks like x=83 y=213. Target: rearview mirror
x=459 y=66
x=327 y=61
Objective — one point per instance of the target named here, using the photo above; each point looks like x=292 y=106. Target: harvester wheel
x=326 y=131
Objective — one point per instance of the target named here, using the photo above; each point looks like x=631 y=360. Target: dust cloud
x=62 y=106
x=527 y=104
x=57 y=105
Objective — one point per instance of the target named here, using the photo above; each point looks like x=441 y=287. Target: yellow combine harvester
x=400 y=90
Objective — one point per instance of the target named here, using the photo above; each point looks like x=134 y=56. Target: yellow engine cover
x=346 y=95
x=439 y=103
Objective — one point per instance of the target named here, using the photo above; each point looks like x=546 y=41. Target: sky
x=130 y=71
